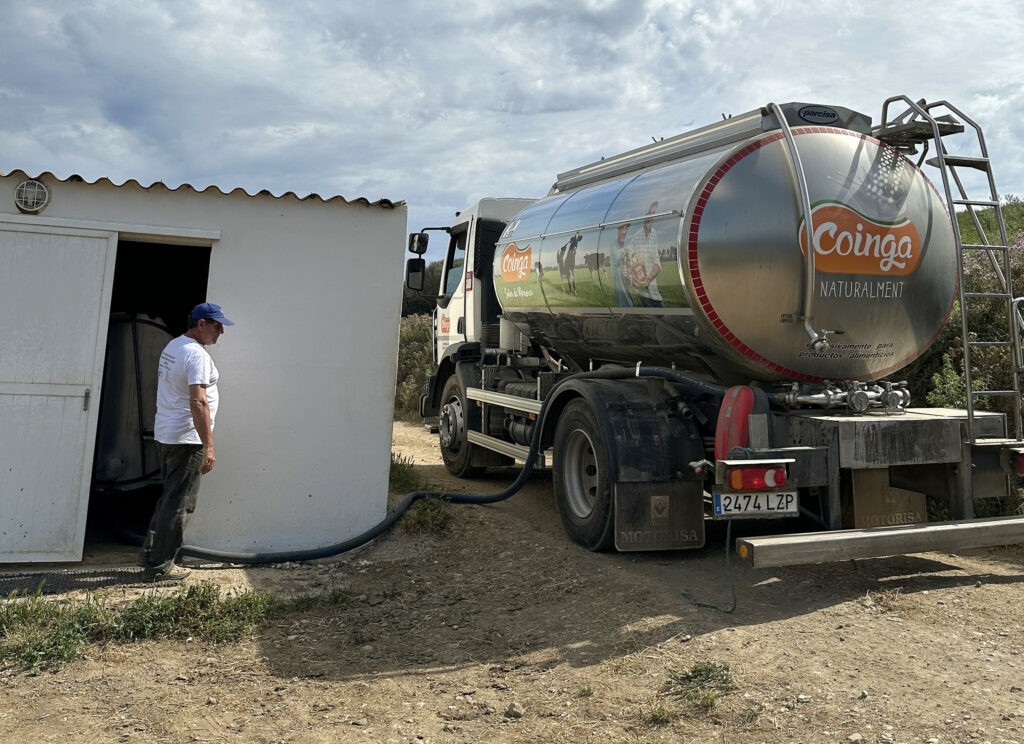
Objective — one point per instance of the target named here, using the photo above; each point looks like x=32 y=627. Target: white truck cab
x=467 y=309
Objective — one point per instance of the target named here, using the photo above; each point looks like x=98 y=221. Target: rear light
x=756 y=478
x=1017 y=460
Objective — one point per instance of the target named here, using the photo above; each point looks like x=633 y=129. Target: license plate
x=773 y=504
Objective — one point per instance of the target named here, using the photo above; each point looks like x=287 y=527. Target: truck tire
x=456 y=451
x=580 y=463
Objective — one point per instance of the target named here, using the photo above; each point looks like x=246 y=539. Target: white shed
x=303 y=435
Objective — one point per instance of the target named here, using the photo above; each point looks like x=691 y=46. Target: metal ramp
x=920 y=124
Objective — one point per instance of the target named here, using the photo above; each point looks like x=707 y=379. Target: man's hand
x=208 y=459
x=204 y=428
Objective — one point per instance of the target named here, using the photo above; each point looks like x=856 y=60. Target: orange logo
x=446 y=324
x=847 y=242
x=515 y=263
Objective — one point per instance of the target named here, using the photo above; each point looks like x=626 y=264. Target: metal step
x=976 y=202
x=914 y=132
x=980 y=247
x=508 y=449
x=990 y=295
x=988 y=344
x=877 y=542
x=960 y=160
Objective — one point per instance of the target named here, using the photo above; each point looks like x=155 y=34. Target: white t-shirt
x=183 y=362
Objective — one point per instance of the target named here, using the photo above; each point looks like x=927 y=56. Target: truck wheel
x=580 y=477
x=456 y=451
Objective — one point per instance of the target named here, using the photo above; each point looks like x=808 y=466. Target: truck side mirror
x=418 y=243
x=415 y=271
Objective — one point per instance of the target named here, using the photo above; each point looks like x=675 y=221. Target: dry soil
x=502 y=630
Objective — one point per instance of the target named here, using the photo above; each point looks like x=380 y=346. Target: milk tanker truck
x=708 y=326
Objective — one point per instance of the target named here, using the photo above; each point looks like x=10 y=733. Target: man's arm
x=200 y=408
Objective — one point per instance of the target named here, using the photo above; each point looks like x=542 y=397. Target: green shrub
x=404 y=477
x=937 y=377
x=428 y=514
x=701 y=685
x=415 y=365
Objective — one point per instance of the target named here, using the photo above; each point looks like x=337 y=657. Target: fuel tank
x=693 y=252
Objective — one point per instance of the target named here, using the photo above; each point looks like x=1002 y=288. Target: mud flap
x=659 y=516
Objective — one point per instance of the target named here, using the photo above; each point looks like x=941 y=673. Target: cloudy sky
x=442 y=102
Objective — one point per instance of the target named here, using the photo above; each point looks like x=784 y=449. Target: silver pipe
x=818 y=342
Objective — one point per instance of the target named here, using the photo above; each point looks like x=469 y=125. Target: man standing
x=645 y=262
x=186 y=407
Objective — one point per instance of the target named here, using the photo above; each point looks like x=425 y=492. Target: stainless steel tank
x=693 y=252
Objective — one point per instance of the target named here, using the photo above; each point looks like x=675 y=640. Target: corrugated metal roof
x=74 y=178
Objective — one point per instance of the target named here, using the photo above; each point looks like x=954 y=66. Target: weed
x=403 y=477
x=429 y=515
x=701 y=686
x=658 y=715
x=37 y=633
x=585 y=692
x=198 y=611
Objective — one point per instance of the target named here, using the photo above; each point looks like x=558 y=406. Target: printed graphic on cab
x=848 y=242
x=514 y=268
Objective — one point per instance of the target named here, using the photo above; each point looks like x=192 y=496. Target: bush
x=415 y=365
x=937 y=377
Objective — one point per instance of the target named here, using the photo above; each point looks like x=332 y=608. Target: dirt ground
x=502 y=630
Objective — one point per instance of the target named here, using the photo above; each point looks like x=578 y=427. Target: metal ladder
x=918 y=125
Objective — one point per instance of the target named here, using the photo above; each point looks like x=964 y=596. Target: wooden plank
x=877 y=542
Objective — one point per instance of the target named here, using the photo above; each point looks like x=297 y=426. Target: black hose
x=286 y=556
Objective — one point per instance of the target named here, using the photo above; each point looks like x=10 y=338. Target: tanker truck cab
x=466 y=318
x=703 y=329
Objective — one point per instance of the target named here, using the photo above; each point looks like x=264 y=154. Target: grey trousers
x=179 y=469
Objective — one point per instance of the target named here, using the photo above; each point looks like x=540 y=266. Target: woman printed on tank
x=620 y=275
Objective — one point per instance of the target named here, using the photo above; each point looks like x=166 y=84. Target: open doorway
x=155 y=286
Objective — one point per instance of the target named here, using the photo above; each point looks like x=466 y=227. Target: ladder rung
x=961 y=160
x=979 y=247
x=990 y=295
x=976 y=202
x=989 y=343
x=976 y=393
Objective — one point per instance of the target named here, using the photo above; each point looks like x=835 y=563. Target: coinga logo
x=818 y=115
x=515 y=263
x=847 y=242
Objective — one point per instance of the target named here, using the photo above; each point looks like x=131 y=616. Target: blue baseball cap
x=209 y=311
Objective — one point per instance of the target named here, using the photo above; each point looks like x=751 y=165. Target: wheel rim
x=451 y=424
x=580 y=474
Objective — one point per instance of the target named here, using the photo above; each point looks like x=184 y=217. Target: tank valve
x=819 y=344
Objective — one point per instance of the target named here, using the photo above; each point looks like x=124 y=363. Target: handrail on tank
x=819 y=341
x=598 y=226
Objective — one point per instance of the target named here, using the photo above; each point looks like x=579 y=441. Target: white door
x=55 y=287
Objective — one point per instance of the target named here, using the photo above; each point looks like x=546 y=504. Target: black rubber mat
x=57 y=582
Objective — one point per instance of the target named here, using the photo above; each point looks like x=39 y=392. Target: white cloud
x=443 y=102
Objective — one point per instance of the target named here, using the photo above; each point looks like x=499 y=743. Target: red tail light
x=756 y=478
x=1018 y=464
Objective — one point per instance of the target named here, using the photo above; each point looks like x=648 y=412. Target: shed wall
x=303 y=435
